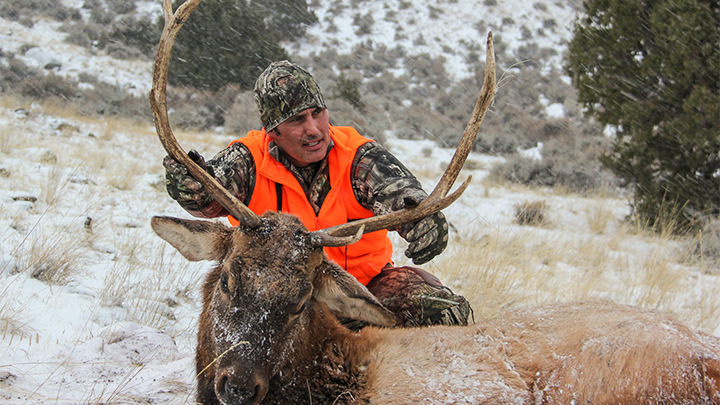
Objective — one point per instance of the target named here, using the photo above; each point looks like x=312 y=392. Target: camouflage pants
x=417 y=298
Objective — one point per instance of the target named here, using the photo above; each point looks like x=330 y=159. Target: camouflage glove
x=181 y=186
x=427 y=237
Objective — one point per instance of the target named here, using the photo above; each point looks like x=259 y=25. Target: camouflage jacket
x=380 y=182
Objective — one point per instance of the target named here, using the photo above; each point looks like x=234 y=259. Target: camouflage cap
x=283 y=90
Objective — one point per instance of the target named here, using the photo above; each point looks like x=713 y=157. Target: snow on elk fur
x=269 y=334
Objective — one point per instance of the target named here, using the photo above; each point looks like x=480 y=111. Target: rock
x=44 y=59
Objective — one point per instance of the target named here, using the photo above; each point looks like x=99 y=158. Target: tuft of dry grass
x=599 y=217
x=55 y=180
x=12 y=322
x=53 y=257
x=143 y=261
x=531 y=213
x=703 y=248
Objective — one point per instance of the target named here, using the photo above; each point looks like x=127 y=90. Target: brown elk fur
x=268 y=333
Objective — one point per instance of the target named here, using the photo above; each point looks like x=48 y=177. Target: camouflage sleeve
x=234 y=168
x=380 y=181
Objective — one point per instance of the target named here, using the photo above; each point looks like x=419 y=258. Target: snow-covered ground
x=94 y=308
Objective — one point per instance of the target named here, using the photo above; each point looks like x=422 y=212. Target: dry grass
x=13 y=321
x=599 y=217
x=531 y=213
x=82 y=183
x=507 y=267
x=143 y=262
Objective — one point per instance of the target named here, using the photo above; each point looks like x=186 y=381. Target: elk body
x=268 y=333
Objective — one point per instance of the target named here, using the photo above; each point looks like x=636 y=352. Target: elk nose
x=232 y=390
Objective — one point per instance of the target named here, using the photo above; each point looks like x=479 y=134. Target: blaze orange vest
x=363 y=259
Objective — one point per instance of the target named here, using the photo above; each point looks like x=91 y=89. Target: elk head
x=262 y=303
x=273 y=283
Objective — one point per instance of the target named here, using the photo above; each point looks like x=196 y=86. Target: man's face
x=304 y=137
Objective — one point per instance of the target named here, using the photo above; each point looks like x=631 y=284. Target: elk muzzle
x=232 y=386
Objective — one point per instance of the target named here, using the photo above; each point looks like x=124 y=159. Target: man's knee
x=418 y=298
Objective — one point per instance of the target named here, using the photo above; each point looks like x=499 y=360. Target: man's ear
x=196 y=240
x=347 y=298
x=274 y=133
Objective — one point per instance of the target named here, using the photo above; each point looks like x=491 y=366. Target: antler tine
x=438 y=199
x=487 y=94
x=158 y=103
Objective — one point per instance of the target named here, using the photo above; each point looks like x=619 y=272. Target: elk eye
x=224 y=283
x=301 y=309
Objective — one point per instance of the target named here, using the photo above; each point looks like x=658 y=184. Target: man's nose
x=311 y=126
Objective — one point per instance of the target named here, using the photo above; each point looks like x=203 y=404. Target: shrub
x=364 y=23
x=567 y=162
x=707 y=246
x=25 y=10
x=372 y=123
x=530 y=213
x=12 y=75
x=98 y=15
x=121 y=6
x=242 y=116
x=83 y=34
x=200 y=109
x=110 y=100
x=540 y=6
x=48 y=86
x=525 y=171
x=141 y=34
x=347 y=89
x=434 y=12
x=119 y=50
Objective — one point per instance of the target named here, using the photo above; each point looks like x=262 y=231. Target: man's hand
x=181 y=186
x=427 y=237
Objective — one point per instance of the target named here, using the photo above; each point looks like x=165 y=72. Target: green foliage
x=232 y=41
x=347 y=89
x=651 y=68
x=141 y=34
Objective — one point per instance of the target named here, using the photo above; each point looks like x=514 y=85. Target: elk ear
x=196 y=240
x=347 y=298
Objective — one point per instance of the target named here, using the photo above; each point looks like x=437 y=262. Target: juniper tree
x=651 y=70
x=224 y=42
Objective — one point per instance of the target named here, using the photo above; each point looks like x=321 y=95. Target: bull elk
x=269 y=333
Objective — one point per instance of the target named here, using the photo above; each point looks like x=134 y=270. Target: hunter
x=327 y=175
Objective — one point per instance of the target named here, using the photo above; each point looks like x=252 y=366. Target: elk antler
x=158 y=103
x=438 y=199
